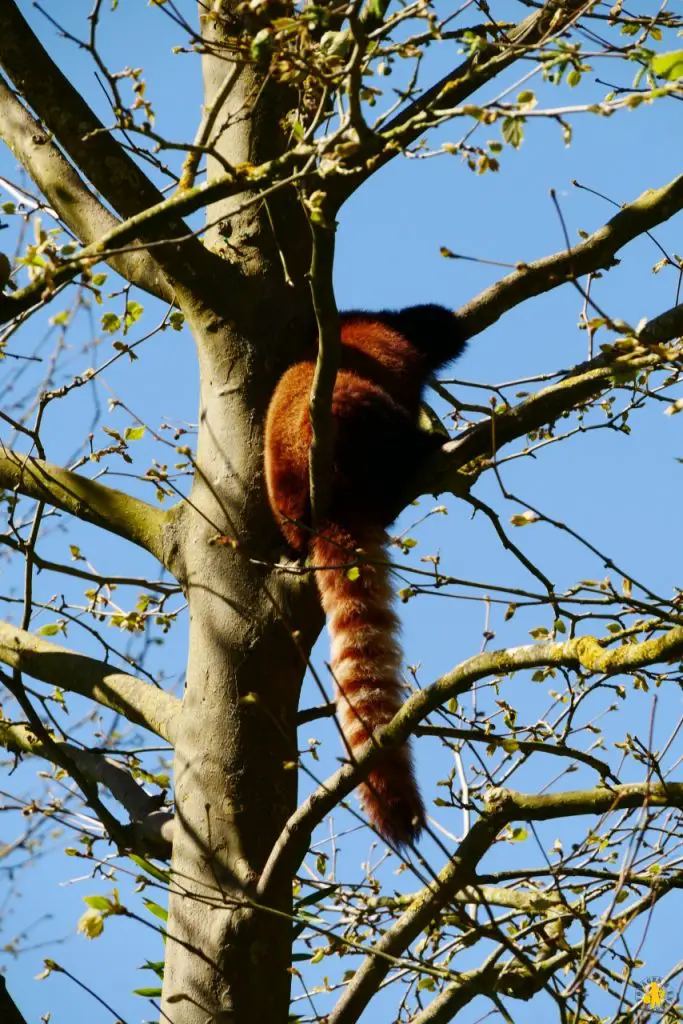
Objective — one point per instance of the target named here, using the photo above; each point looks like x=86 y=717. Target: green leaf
x=153 y=965
x=134 y=433
x=512 y=129
x=151 y=869
x=50 y=629
x=98 y=902
x=133 y=312
x=150 y=993
x=110 y=322
x=315 y=897
x=668 y=65
x=353 y=573
x=155 y=909
x=177 y=320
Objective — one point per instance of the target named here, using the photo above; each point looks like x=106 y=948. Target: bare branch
x=443 y=472
x=92 y=502
x=84 y=138
x=458 y=872
x=68 y=194
x=511 y=743
x=582 y=652
x=501 y=807
x=553 y=18
x=595 y=253
x=19 y=738
x=138 y=701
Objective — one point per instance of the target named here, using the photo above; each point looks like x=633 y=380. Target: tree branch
x=501 y=807
x=582 y=652
x=407 y=126
x=152 y=829
x=320 y=456
x=444 y=471
x=129 y=517
x=139 y=702
x=86 y=140
x=662 y=328
x=458 y=873
x=9 y=1011
x=149 y=224
x=68 y=194
x=511 y=744
x=595 y=253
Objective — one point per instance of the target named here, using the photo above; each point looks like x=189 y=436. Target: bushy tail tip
x=365 y=661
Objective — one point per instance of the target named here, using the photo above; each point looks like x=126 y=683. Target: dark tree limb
x=148 y=821
x=320 y=456
x=9 y=1011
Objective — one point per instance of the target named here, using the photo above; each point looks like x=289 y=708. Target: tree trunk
x=236 y=749
x=236 y=752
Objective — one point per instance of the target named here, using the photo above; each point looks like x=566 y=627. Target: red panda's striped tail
x=366 y=659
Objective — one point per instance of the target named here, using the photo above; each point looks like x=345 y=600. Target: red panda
x=386 y=358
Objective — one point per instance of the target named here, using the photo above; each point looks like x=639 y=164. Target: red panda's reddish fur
x=386 y=358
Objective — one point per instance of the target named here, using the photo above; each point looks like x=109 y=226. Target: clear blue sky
x=623 y=493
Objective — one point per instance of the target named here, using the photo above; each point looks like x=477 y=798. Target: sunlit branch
x=92 y=502
x=157 y=218
x=584 y=652
x=501 y=807
x=67 y=192
x=80 y=133
x=422 y=911
x=662 y=328
x=140 y=702
x=597 y=252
